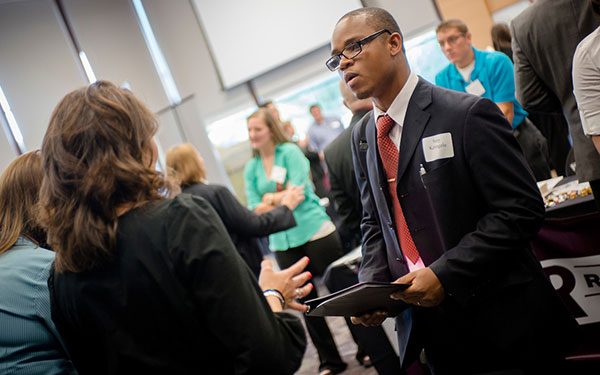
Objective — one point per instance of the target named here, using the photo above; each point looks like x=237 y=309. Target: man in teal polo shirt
x=490 y=75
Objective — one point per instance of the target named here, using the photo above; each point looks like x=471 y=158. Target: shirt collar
x=455 y=74
x=397 y=109
x=24 y=241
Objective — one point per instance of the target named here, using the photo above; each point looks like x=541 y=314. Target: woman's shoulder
x=292 y=150
x=28 y=254
x=31 y=262
x=210 y=192
x=289 y=147
x=188 y=202
x=166 y=211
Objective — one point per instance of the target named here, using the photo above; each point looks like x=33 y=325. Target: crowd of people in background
x=110 y=266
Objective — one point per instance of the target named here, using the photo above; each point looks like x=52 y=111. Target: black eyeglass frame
x=337 y=59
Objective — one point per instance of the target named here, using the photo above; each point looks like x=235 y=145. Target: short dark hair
x=313 y=106
x=377 y=18
x=452 y=23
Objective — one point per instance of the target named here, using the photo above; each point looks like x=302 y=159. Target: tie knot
x=384 y=125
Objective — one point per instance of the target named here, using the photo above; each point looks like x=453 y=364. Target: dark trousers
x=556 y=130
x=321 y=253
x=535 y=149
x=372 y=340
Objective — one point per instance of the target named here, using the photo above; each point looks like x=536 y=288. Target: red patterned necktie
x=389 y=158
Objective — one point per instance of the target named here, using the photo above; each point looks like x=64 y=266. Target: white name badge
x=438 y=147
x=475 y=88
x=278 y=174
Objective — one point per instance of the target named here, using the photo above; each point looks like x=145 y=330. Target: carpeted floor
x=345 y=344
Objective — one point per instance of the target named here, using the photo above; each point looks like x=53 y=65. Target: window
x=230 y=135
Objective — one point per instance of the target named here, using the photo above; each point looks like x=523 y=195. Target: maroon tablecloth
x=569 y=251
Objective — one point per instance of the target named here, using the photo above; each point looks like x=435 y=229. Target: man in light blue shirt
x=323 y=130
x=490 y=75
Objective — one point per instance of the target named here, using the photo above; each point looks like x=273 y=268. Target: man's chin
x=362 y=94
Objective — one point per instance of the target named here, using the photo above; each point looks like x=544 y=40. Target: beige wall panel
x=496 y=5
x=475 y=14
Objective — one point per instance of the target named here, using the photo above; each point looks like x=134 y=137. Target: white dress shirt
x=397 y=112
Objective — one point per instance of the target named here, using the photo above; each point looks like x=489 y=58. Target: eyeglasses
x=451 y=40
x=351 y=50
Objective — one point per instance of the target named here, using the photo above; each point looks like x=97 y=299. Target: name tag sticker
x=475 y=88
x=438 y=147
x=278 y=174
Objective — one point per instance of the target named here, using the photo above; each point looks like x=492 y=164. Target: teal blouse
x=29 y=341
x=309 y=214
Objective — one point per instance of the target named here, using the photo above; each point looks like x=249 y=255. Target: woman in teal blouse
x=29 y=341
x=279 y=166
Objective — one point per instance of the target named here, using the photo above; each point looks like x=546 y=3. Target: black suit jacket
x=244 y=226
x=471 y=217
x=544 y=38
x=344 y=190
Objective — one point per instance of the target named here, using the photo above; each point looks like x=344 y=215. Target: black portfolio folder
x=358 y=299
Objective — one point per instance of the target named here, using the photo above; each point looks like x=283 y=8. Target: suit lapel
x=374 y=151
x=414 y=124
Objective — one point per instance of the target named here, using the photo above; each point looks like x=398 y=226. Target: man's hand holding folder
x=425 y=290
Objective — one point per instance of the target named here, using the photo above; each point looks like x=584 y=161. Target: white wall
x=412 y=16
x=7 y=152
x=37 y=65
x=109 y=33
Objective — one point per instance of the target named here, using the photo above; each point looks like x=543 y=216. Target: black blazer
x=244 y=226
x=544 y=38
x=471 y=217
x=344 y=190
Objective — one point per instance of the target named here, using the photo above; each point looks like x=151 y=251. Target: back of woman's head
x=184 y=165
x=97 y=158
x=19 y=191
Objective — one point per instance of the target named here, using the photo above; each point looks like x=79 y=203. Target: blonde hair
x=184 y=165
x=274 y=126
x=19 y=191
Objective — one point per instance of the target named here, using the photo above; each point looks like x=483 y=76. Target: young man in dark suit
x=448 y=206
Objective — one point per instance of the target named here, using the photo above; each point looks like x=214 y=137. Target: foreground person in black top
x=143 y=284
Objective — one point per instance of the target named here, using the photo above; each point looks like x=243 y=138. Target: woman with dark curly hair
x=145 y=284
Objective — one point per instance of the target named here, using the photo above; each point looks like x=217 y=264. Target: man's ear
x=395 y=43
x=468 y=36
